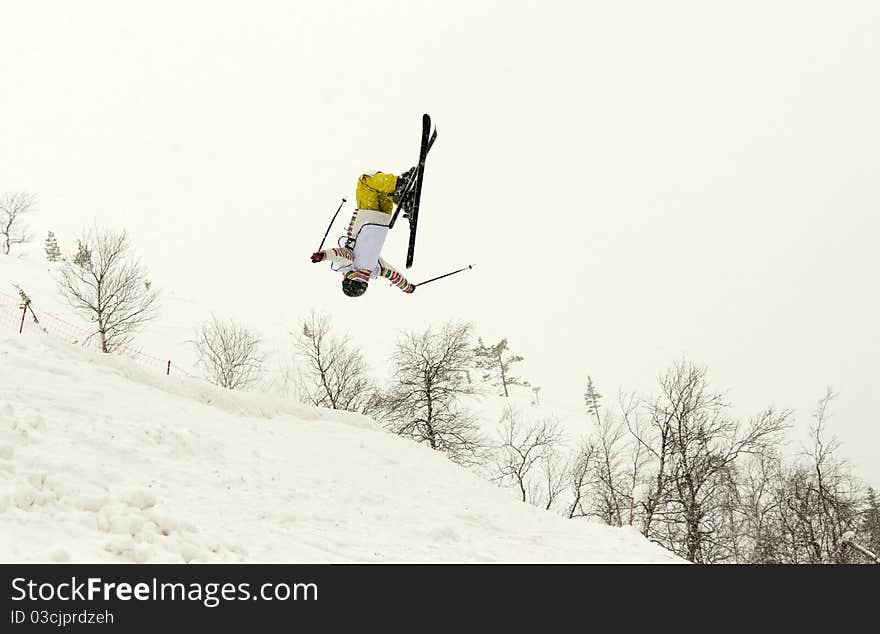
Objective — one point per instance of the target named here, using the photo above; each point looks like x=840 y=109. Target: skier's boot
x=400 y=195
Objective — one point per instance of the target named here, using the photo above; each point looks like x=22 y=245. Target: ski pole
x=440 y=277
x=326 y=233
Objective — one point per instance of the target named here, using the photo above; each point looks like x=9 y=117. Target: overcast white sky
x=636 y=181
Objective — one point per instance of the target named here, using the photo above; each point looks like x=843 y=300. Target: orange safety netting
x=12 y=309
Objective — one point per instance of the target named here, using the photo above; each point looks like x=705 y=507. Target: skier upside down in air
x=358 y=260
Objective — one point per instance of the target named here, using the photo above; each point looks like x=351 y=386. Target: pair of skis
x=410 y=198
x=412 y=193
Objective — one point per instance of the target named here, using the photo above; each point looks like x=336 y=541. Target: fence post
x=23 y=315
x=168 y=369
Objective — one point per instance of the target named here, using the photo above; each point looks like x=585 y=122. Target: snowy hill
x=103 y=459
x=164 y=339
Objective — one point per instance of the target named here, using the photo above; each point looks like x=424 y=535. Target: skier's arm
x=396 y=278
x=342 y=255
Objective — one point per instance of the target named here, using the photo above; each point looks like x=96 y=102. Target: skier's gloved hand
x=411 y=289
x=317 y=256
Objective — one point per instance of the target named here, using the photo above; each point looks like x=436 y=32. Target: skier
x=358 y=259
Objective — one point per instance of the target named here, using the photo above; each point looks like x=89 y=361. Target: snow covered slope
x=103 y=460
x=106 y=458
x=163 y=339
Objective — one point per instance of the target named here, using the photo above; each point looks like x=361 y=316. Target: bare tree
x=635 y=458
x=869 y=531
x=229 y=354
x=580 y=470
x=695 y=445
x=819 y=499
x=758 y=506
x=108 y=284
x=712 y=488
x=607 y=474
x=611 y=495
x=336 y=374
x=13 y=206
x=833 y=491
x=610 y=447
x=285 y=378
x=523 y=446
x=425 y=403
x=656 y=440
x=555 y=474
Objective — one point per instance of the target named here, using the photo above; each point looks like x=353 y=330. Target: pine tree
x=870 y=528
x=53 y=252
x=497 y=365
x=592 y=398
x=83 y=257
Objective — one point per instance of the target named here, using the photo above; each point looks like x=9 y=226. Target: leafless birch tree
x=229 y=354
x=523 y=447
x=580 y=471
x=336 y=374
x=695 y=444
x=107 y=283
x=616 y=468
x=425 y=401
x=819 y=499
x=13 y=207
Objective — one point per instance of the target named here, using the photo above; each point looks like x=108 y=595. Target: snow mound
x=104 y=458
x=100 y=461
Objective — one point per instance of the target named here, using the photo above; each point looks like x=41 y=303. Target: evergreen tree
x=53 y=252
x=870 y=528
x=83 y=257
x=592 y=398
x=497 y=361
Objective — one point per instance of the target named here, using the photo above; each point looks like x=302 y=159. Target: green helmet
x=354 y=288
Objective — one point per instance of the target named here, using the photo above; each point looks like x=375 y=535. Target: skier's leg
x=374 y=192
x=403 y=188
